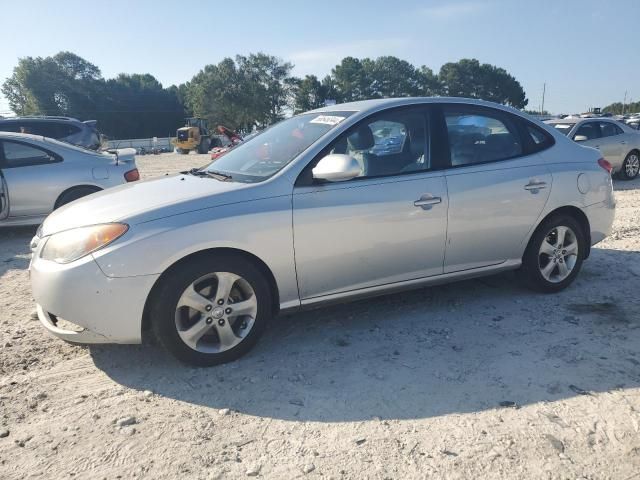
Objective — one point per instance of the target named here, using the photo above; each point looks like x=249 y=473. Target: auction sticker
x=327 y=119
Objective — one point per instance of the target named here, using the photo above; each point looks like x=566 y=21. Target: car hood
x=148 y=200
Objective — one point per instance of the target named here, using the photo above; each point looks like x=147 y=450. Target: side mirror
x=337 y=168
x=580 y=138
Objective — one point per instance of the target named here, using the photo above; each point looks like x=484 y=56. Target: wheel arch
x=95 y=189
x=258 y=262
x=573 y=212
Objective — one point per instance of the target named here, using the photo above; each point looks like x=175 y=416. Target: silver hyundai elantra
x=339 y=203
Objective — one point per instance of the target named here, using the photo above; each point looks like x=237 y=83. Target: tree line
x=243 y=93
x=618 y=108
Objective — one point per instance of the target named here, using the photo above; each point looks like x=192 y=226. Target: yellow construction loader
x=193 y=136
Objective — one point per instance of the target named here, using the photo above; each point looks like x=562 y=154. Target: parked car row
x=619 y=143
x=339 y=203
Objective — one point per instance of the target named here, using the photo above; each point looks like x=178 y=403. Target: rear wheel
x=630 y=166
x=554 y=255
x=211 y=311
x=74 y=194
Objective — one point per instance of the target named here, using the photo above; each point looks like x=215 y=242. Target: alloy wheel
x=558 y=254
x=632 y=165
x=216 y=312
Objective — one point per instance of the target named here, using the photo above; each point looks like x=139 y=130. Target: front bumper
x=107 y=310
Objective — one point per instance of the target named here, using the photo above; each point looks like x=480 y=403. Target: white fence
x=148 y=143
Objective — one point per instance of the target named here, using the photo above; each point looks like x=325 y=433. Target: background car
x=619 y=143
x=66 y=129
x=38 y=175
x=204 y=259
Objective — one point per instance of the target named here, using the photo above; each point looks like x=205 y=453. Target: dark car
x=70 y=130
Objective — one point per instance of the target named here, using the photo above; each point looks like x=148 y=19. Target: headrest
x=361 y=139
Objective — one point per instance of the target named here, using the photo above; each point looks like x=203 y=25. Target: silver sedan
x=316 y=210
x=618 y=142
x=39 y=174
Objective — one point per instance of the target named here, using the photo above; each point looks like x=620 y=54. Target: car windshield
x=268 y=152
x=564 y=128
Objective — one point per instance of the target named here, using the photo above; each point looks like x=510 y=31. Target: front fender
x=260 y=227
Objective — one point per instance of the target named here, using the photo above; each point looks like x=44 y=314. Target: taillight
x=132 y=175
x=606 y=165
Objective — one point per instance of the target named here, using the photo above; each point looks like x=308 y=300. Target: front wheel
x=212 y=310
x=630 y=166
x=554 y=255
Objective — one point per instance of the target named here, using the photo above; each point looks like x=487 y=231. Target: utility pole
x=624 y=103
x=544 y=89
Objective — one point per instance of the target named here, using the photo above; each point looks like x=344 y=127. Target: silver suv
x=70 y=130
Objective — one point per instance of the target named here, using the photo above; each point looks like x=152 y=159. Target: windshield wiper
x=217 y=175
x=208 y=173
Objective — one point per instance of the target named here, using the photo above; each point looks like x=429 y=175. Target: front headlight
x=70 y=245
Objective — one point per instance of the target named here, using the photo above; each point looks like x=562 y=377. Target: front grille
x=183 y=136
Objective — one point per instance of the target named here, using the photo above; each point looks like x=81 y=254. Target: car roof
x=40 y=118
x=369 y=106
x=20 y=136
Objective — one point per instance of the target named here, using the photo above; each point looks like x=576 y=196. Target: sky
x=586 y=51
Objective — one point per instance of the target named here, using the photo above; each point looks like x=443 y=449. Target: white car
x=40 y=174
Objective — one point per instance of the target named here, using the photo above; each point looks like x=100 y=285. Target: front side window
x=480 y=137
x=270 y=151
x=391 y=143
x=22 y=155
x=589 y=130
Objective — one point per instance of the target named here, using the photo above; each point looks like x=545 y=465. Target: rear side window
x=23 y=155
x=480 y=137
x=609 y=129
x=539 y=139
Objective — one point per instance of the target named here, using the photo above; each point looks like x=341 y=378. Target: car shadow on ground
x=621 y=185
x=456 y=348
x=14 y=248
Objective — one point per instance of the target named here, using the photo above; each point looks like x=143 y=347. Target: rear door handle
x=533 y=187
x=623 y=142
x=426 y=201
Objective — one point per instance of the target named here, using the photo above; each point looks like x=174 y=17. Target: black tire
x=74 y=194
x=165 y=301
x=531 y=273
x=630 y=166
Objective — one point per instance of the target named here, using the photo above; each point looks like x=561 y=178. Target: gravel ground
x=479 y=379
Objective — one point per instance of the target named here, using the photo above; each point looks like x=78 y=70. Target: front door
x=386 y=226
x=31 y=175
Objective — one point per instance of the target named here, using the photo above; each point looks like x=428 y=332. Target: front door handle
x=427 y=201
x=533 y=187
x=623 y=142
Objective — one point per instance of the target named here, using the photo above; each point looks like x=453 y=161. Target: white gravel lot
x=479 y=379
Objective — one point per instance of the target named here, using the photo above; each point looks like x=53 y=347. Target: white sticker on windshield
x=327 y=119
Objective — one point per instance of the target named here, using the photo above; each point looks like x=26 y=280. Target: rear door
x=498 y=184
x=612 y=143
x=32 y=176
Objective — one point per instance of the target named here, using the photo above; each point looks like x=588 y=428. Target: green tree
x=310 y=93
x=469 y=78
x=66 y=84
x=244 y=93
